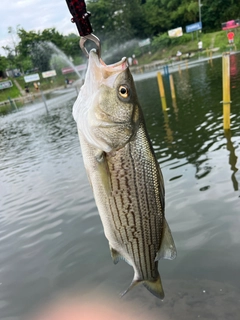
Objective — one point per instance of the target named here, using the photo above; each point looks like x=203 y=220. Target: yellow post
x=160 y=85
x=164 y=103
x=172 y=86
x=210 y=55
x=175 y=108
x=186 y=64
x=179 y=69
x=226 y=90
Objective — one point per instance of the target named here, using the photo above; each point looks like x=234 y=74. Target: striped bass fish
x=123 y=171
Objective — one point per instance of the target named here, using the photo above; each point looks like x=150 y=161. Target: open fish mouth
x=115 y=67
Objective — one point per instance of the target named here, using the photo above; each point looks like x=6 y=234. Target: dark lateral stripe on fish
x=144 y=246
x=142 y=257
x=146 y=227
x=125 y=184
x=150 y=224
x=118 y=235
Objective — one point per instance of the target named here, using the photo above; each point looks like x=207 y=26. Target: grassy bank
x=17 y=91
x=163 y=47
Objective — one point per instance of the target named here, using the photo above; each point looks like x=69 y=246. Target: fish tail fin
x=155 y=287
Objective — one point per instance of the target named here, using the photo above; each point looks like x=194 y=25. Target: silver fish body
x=123 y=171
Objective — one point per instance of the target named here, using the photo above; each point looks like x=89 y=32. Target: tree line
x=124 y=19
x=34 y=49
x=116 y=22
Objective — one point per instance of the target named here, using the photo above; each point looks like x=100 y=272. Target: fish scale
x=143 y=203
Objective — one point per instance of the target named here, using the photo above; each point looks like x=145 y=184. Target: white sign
x=32 y=77
x=50 y=73
x=6 y=84
x=174 y=33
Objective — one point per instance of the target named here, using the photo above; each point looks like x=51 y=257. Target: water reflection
x=232 y=159
x=169 y=133
x=197 y=128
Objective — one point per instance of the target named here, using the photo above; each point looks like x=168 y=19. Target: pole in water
x=164 y=103
x=226 y=90
x=160 y=85
x=166 y=72
x=44 y=100
x=210 y=55
x=179 y=69
x=11 y=103
x=172 y=87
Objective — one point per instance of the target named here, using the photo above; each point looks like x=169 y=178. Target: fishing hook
x=81 y=17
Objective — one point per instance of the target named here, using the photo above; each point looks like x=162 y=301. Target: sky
x=35 y=15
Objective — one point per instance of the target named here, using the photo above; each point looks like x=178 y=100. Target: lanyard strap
x=80 y=16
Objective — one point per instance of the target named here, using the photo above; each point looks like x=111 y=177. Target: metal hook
x=93 y=38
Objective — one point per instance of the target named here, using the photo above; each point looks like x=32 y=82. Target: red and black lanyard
x=81 y=16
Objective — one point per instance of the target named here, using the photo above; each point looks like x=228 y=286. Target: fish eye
x=123 y=91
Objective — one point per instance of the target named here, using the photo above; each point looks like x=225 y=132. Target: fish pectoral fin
x=155 y=287
x=103 y=169
x=167 y=249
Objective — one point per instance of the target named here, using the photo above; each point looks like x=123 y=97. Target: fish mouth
x=115 y=67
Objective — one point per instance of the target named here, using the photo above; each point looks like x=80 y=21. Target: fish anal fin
x=132 y=285
x=167 y=249
x=115 y=255
x=155 y=287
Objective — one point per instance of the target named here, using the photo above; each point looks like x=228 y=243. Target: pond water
x=51 y=237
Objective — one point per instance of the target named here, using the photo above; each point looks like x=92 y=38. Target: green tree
x=117 y=21
x=162 y=15
x=215 y=12
x=53 y=36
x=41 y=55
x=71 y=45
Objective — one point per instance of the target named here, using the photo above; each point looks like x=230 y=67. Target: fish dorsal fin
x=167 y=249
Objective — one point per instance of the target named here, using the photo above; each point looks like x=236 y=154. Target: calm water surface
x=51 y=237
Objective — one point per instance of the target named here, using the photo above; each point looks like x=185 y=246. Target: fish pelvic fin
x=155 y=287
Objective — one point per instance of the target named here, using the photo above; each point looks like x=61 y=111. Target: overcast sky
x=34 y=15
